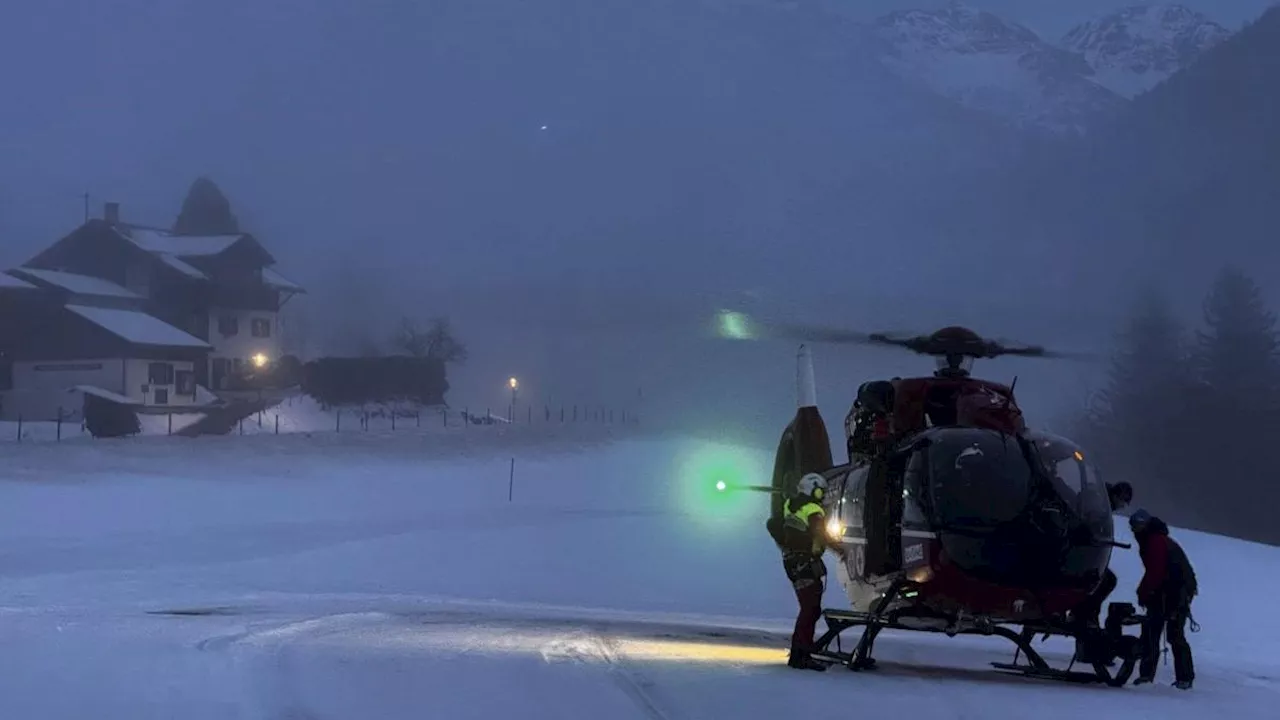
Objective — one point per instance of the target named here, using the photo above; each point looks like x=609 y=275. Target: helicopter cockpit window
x=978 y=478
x=914 y=515
x=1075 y=480
x=851 y=503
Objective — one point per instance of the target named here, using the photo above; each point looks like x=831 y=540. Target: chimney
x=111 y=213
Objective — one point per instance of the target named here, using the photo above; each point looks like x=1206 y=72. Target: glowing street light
x=513 y=383
x=260 y=360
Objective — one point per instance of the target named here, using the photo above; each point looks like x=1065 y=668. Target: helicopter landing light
x=922 y=574
x=835 y=530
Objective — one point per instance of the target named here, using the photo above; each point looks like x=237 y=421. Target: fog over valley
x=578 y=186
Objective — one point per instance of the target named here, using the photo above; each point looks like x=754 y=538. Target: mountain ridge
x=983 y=61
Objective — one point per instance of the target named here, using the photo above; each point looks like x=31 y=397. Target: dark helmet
x=1121 y=494
x=1139 y=520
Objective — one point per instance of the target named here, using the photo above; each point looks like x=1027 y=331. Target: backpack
x=1182 y=576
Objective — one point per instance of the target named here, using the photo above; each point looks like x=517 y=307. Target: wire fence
x=300 y=414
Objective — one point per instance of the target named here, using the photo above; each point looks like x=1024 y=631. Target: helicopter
x=952 y=516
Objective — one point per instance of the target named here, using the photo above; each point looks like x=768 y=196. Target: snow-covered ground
x=388 y=576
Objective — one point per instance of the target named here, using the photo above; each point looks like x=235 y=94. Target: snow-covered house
x=222 y=289
x=56 y=344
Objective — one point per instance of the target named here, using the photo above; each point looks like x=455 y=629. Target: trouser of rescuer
x=807 y=574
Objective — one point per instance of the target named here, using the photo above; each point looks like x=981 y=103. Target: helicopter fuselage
x=967 y=519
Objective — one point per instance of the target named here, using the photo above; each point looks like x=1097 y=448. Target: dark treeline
x=1191 y=415
x=352 y=381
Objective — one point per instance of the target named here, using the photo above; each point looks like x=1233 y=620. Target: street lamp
x=515 y=387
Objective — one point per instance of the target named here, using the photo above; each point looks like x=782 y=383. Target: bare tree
x=436 y=341
x=410 y=338
x=442 y=345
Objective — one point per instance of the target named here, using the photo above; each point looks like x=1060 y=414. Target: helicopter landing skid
x=1103 y=648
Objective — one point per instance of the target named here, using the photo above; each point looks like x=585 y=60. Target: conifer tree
x=1238 y=368
x=1138 y=418
x=206 y=211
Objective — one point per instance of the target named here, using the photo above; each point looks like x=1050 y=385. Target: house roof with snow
x=164 y=242
x=9 y=282
x=166 y=264
x=137 y=327
x=75 y=284
x=280 y=282
x=177 y=251
x=182 y=266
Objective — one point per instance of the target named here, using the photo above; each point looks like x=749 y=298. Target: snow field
x=388 y=576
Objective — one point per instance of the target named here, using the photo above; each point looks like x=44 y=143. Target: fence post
x=338 y=427
x=59 y=423
x=241 y=426
x=530 y=420
x=466 y=417
x=277 y=423
x=170 y=430
x=511 y=481
x=19 y=429
x=393 y=420
x=259 y=418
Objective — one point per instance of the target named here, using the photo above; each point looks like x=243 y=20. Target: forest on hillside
x=1190 y=415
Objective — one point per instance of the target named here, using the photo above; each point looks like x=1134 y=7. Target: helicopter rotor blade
x=1035 y=351
x=739 y=326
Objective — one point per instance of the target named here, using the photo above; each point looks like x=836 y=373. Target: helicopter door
x=882 y=517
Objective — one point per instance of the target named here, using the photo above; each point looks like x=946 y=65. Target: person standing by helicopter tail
x=801 y=535
x=1168 y=586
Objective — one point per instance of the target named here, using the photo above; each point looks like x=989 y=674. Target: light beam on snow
x=558 y=645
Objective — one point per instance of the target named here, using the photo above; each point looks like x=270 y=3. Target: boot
x=802 y=661
x=1183 y=684
x=1143 y=680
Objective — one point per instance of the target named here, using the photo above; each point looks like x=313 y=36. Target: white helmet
x=813 y=485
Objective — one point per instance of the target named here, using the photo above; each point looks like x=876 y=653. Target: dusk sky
x=450 y=150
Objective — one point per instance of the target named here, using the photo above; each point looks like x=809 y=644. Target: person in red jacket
x=1167 y=588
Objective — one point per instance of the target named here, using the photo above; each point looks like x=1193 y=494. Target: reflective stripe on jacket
x=799 y=523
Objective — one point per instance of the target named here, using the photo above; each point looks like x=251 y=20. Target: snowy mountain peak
x=991 y=64
x=1134 y=49
x=956 y=27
